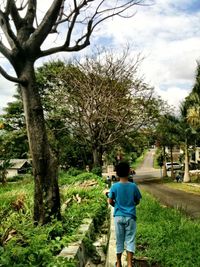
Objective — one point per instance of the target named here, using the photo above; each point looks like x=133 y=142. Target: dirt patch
x=144 y=262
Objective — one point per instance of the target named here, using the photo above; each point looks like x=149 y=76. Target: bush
x=97 y=171
x=73 y=171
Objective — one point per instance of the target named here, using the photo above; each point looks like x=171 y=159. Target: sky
x=166 y=34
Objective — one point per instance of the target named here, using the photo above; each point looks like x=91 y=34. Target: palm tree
x=168 y=133
x=193 y=112
x=186 y=130
x=190 y=112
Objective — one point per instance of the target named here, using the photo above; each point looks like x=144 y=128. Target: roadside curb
x=111 y=254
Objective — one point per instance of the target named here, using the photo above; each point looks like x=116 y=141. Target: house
x=17 y=167
x=176 y=152
x=195 y=157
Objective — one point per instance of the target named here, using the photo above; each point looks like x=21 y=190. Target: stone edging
x=76 y=250
x=111 y=253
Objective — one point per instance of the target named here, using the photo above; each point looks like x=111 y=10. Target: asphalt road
x=149 y=179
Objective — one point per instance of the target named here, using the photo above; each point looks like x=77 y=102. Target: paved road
x=149 y=180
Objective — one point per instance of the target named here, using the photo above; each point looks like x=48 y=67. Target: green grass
x=167 y=236
x=138 y=161
x=38 y=246
x=184 y=187
x=155 y=161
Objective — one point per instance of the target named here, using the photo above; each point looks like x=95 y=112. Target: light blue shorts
x=125 y=229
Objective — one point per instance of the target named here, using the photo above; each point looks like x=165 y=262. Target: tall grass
x=166 y=236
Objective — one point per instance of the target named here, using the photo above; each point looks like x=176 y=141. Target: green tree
x=168 y=132
x=188 y=135
x=14 y=141
x=192 y=102
x=24 y=34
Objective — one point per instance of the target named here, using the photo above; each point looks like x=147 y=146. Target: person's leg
x=119 y=262
x=129 y=258
x=120 y=236
x=130 y=231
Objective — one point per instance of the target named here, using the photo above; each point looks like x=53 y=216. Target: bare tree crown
x=24 y=28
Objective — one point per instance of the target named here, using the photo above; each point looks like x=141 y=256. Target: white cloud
x=166 y=33
x=169 y=39
x=7 y=89
x=174 y=96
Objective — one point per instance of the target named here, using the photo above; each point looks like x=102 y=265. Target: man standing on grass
x=124 y=196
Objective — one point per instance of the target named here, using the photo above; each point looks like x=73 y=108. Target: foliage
x=13 y=137
x=192 y=102
x=73 y=171
x=97 y=170
x=139 y=160
x=22 y=244
x=4 y=165
x=165 y=235
x=82 y=100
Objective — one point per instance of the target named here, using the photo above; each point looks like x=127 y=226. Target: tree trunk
x=46 y=192
x=3 y=175
x=186 y=178
x=172 y=167
x=97 y=160
x=164 y=163
x=97 y=157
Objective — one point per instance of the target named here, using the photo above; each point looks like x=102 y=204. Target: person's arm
x=137 y=201
x=111 y=197
x=111 y=202
x=137 y=196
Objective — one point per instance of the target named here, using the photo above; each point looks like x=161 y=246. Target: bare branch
x=93 y=21
x=22 y=7
x=31 y=12
x=45 y=27
x=12 y=9
x=61 y=13
x=11 y=78
x=5 y=51
x=5 y=25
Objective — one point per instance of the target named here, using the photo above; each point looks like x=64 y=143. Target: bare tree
x=102 y=99
x=23 y=33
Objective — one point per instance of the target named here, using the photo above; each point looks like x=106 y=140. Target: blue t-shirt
x=125 y=196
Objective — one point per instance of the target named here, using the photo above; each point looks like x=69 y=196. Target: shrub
x=97 y=171
x=73 y=171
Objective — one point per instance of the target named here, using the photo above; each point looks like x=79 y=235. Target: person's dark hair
x=123 y=169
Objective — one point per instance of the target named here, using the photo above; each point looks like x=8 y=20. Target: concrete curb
x=77 y=250
x=111 y=253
